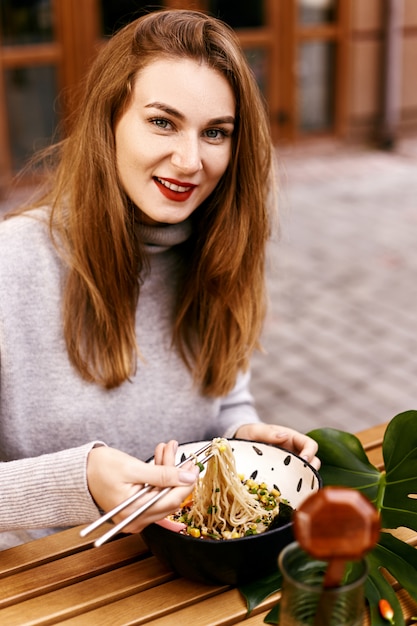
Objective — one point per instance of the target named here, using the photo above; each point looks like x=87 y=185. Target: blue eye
x=217 y=134
x=160 y=122
x=213 y=133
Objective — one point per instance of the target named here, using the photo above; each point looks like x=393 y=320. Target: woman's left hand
x=282 y=436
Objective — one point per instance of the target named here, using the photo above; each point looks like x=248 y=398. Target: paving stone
x=342 y=287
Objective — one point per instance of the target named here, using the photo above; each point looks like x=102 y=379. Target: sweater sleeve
x=47 y=491
x=237 y=408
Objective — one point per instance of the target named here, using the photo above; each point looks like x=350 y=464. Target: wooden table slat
x=372 y=437
x=143 y=607
x=406 y=534
x=231 y=610
x=87 y=595
x=60 y=573
x=408 y=605
x=51 y=548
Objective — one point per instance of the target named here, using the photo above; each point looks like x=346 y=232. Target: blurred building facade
x=342 y=69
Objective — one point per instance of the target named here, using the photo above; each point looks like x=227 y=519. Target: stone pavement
x=341 y=334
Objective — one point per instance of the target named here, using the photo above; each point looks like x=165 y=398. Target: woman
x=132 y=292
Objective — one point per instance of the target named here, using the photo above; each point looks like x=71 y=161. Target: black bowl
x=238 y=561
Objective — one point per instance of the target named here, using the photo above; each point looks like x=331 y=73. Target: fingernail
x=187 y=477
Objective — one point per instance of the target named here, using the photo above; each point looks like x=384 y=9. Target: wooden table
x=61 y=579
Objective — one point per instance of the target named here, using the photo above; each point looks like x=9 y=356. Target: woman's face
x=174 y=139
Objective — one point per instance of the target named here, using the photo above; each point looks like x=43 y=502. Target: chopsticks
x=118 y=527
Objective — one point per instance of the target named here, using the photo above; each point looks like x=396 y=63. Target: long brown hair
x=221 y=305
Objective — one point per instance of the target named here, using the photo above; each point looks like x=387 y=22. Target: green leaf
x=397 y=557
x=255 y=592
x=377 y=587
x=394 y=493
x=273 y=615
x=400 y=560
x=400 y=458
x=345 y=464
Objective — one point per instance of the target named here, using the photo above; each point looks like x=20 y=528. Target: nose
x=186 y=156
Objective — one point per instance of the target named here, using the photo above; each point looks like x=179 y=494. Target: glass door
x=45 y=46
x=315 y=35
x=322 y=82
x=316 y=65
x=29 y=79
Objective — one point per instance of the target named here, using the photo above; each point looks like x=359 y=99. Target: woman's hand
x=287 y=438
x=113 y=476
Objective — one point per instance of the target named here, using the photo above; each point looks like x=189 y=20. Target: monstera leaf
x=399 y=503
x=393 y=492
x=344 y=463
x=400 y=560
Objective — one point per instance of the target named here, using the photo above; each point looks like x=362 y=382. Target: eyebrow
x=227 y=119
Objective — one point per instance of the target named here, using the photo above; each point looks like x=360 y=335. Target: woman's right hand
x=113 y=476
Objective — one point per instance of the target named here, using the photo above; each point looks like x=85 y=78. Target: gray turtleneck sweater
x=50 y=418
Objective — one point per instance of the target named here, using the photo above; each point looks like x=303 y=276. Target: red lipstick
x=175 y=190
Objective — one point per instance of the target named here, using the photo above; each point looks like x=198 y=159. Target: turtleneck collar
x=163 y=236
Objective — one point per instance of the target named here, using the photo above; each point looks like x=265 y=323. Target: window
x=25 y=22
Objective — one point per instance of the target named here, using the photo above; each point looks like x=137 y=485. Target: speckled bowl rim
x=200 y=443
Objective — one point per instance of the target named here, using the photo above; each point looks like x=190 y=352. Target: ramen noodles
x=225 y=505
